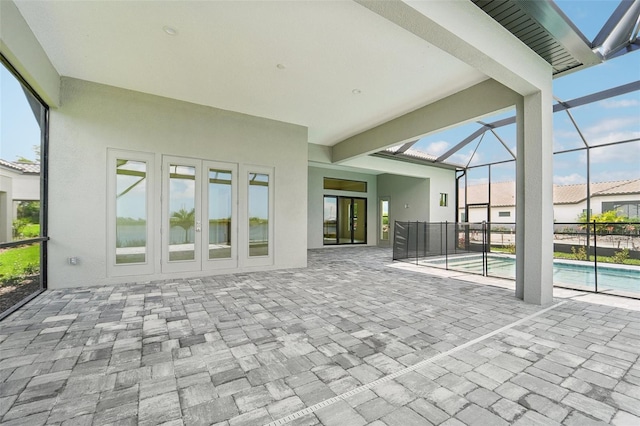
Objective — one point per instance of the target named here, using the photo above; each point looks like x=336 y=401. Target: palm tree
x=184 y=219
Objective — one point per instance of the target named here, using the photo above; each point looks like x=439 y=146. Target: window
x=630 y=209
x=504 y=214
x=444 y=199
x=345 y=185
x=130 y=213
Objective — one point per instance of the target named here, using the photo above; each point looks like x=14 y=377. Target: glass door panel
x=181 y=215
x=330 y=232
x=359 y=221
x=219 y=230
x=182 y=212
x=384 y=220
x=220 y=208
x=258 y=214
x=344 y=221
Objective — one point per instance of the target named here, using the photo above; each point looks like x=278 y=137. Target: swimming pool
x=566 y=273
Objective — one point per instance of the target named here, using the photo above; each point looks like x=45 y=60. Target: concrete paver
x=249 y=349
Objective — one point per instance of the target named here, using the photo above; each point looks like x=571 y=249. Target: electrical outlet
x=73 y=260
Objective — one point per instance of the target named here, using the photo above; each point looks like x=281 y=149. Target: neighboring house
x=569 y=201
x=18 y=182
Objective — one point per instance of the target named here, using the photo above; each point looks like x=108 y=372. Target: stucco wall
x=440 y=180
x=6 y=207
x=93 y=118
x=316 y=202
x=26 y=187
x=409 y=198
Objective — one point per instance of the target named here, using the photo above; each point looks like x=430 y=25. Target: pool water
x=566 y=273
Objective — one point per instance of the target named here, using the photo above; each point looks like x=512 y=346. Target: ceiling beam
x=458 y=108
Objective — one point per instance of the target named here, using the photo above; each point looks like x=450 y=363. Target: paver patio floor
x=346 y=341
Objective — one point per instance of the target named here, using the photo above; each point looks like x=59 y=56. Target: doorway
x=345 y=220
x=199 y=230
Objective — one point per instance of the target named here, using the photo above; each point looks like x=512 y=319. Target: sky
x=611 y=120
x=19 y=130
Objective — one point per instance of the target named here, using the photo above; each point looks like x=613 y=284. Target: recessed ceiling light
x=356 y=91
x=170 y=30
x=280 y=66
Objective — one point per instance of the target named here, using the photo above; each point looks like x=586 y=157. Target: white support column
x=534 y=198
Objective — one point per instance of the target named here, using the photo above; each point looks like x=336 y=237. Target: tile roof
x=503 y=193
x=29 y=168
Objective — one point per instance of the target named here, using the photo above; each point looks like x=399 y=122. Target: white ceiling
x=225 y=55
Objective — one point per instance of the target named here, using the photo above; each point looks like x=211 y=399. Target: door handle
x=198 y=226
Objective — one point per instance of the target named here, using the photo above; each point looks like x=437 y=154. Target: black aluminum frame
x=44 y=193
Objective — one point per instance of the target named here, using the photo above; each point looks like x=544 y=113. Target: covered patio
x=349 y=340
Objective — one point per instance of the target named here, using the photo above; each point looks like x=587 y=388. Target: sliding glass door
x=345 y=220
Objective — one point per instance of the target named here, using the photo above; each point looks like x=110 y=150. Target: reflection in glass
x=258 y=214
x=182 y=212
x=219 y=214
x=384 y=220
x=330 y=220
x=131 y=211
x=359 y=220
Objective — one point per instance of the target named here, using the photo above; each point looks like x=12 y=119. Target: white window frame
x=243 y=249
x=148 y=266
x=225 y=263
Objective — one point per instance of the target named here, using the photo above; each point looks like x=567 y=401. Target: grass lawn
x=18 y=261
x=603 y=259
x=572 y=256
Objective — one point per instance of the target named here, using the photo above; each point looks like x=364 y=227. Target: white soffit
x=226 y=55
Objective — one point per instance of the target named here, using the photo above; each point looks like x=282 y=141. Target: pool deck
x=353 y=339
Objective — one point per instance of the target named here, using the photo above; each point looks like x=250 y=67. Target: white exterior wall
x=94 y=118
x=26 y=187
x=440 y=180
x=478 y=214
x=409 y=198
x=6 y=206
x=315 y=202
x=569 y=212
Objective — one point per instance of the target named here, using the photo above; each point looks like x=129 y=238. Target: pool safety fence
x=591 y=256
